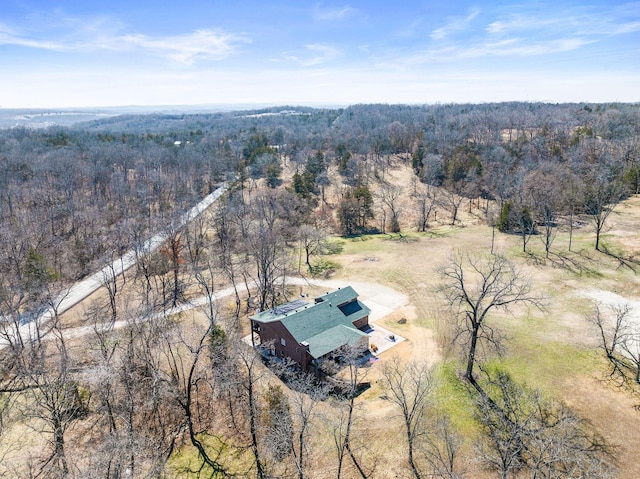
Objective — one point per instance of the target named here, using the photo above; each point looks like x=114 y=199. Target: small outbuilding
x=308 y=332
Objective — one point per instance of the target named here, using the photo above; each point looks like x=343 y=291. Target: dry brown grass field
x=554 y=350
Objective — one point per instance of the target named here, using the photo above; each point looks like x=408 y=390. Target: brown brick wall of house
x=275 y=332
x=362 y=324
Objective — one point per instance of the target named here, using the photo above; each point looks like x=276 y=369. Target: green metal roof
x=322 y=324
x=332 y=339
x=339 y=296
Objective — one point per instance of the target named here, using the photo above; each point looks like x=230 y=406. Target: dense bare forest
x=134 y=383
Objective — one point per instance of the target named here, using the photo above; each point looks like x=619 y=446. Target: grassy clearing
x=544 y=364
x=185 y=462
x=453 y=396
x=323 y=267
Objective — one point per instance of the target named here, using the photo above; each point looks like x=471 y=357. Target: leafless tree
x=432 y=444
x=223 y=247
x=173 y=252
x=620 y=340
x=476 y=285
x=226 y=374
x=311 y=239
x=195 y=236
x=253 y=372
x=343 y=430
x=441 y=449
x=10 y=389
x=306 y=395
x=109 y=280
x=451 y=199
x=101 y=376
x=153 y=417
x=188 y=381
x=425 y=199
x=408 y=387
x=573 y=189
x=267 y=250
x=525 y=432
x=138 y=419
x=53 y=400
x=277 y=423
x=389 y=195
x=145 y=271
x=601 y=194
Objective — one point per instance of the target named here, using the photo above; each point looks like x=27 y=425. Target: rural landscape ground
x=148 y=371
x=554 y=349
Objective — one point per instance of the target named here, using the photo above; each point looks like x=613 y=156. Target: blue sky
x=139 y=52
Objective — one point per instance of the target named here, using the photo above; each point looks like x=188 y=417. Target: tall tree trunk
x=59 y=453
x=412 y=463
x=253 y=429
x=472 y=353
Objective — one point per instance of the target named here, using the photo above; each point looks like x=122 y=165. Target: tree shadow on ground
x=578 y=263
x=628 y=262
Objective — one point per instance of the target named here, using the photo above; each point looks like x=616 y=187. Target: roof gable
x=333 y=338
x=339 y=296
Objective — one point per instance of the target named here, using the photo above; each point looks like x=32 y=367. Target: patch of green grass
x=437 y=233
x=324 y=267
x=616 y=251
x=408 y=237
x=453 y=396
x=536 y=356
x=332 y=246
x=363 y=244
x=185 y=462
x=544 y=363
x=395 y=325
x=580 y=264
x=583 y=263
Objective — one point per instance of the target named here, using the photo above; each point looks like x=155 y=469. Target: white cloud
x=333 y=14
x=521 y=48
x=315 y=54
x=382 y=69
x=9 y=39
x=455 y=24
x=188 y=48
x=629 y=27
x=410 y=30
x=6 y=29
x=506 y=47
x=529 y=32
x=520 y=23
x=604 y=22
x=102 y=34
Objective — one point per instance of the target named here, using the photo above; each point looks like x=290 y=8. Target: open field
x=554 y=350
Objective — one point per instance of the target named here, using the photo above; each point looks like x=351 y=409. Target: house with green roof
x=308 y=331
